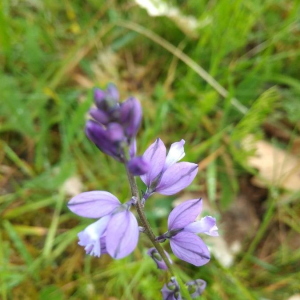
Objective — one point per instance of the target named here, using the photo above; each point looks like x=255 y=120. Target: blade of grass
x=186 y=59
x=21 y=247
x=54 y=224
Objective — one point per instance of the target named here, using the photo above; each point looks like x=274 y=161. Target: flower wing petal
x=184 y=214
x=176 y=178
x=190 y=248
x=155 y=155
x=95 y=204
x=206 y=225
x=175 y=154
x=91 y=237
x=122 y=234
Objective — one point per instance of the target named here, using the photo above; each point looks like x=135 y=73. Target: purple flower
x=114 y=125
x=131 y=116
x=108 y=98
x=108 y=140
x=115 y=233
x=182 y=230
x=138 y=166
x=171 y=291
x=196 y=287
x=153 y=253
x=166 y=176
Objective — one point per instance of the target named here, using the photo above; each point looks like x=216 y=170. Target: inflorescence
x=116 y=232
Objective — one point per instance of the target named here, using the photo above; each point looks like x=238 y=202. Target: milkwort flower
x=153 y=253
x=116 y=232
x=171 y=291
x=182 y=230
x=115 y=125
x=166 y=176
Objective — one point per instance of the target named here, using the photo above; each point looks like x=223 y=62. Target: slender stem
x=150 y=234
x=148 y=230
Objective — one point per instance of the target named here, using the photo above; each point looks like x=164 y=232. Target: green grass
x=237 y=72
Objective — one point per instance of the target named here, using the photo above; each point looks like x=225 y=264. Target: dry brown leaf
x=276 y=166
x=295 y=297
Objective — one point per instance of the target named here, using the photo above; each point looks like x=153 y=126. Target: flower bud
x=130 y=116
x=138 y=166
x=196 y=287
x=112 y=92
x=99 y=96
x=99 y=116
x=102 y=139
x=106 y=100
x=153 y=253
x=115 y=132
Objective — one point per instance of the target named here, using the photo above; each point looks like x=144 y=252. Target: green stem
x=148 y=230
x=150 y=234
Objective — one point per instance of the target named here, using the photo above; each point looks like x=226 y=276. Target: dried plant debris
x=275 y=166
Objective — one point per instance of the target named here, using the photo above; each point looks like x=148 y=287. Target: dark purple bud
x=112 y=92
x=132 y=148
x=196 y=287
x=115 y=132
x=99 y=116
x=99 y=97
x=138 y=166
x=153 y=253
x=99 y=136
x=171 y=291
x=106 y=100
x=131 y=116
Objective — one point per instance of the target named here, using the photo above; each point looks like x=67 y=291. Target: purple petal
x=100 y=137
x=99 y=96
x=138 y=166
x=184 y=214
x=112 y=92
x=176 y=178
x=99 y=116
x=115 y=132
x=206 y=225
x=131 y=116
x=155 y=155
x=95 y=204
x=175 y=154
x=198 y=286
x=171 y=291
x=90 y=237
x=153 y=253
x=190 y=248
x=103 y=245
x=122 y=234
x=132 y=148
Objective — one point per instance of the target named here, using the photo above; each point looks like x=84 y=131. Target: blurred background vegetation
x=223 y=75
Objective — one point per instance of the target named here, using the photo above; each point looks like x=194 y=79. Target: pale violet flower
x=182 y=230
x=116 y=232
x=166 y=176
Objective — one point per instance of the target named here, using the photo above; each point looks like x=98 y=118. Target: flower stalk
x=148 y=231
x=146 y=225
